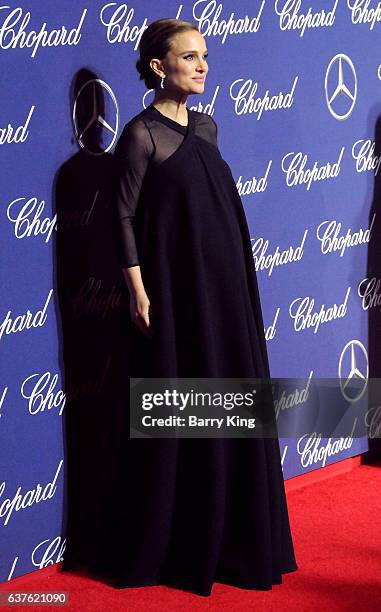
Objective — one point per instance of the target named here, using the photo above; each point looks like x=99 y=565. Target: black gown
x=195 y=511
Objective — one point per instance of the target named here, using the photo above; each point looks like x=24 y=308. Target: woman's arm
x=131 y=158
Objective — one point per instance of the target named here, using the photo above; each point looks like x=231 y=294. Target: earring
x=162 y=82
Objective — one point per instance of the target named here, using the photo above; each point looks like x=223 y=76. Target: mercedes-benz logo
x=95 y=117
x=353 y=366
x=340 y=86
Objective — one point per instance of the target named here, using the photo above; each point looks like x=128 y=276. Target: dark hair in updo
x=156 y=42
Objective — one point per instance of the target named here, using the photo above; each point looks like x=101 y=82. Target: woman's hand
x=140 y=310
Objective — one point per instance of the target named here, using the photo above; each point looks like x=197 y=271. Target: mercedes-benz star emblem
x=95 y=116
x=353 y=367
x=340 y=86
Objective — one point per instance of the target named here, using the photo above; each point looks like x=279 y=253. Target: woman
x=197 y=510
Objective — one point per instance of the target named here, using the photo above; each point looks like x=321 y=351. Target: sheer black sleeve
x=131 y=157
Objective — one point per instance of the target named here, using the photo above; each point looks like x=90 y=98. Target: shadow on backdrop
x=93 y=304
x=374 y=313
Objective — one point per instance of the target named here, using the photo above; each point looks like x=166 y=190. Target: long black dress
x=198 y=510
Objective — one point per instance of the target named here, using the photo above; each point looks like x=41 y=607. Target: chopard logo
x=247 y=102
x=328 y=232
x=293 y=165
x=20 y=322
x=361 y=13
x=210 y=24
x=369 y=291
x=254 y=185
x=340 y=86
x=312 y=452
x=363 y=153
x=42 y=393
x=27 y=215
x=47 y=552
x=268 y=261
x=94 y=116
x=19 y=134
x=118 y=24
x=14 y=33
x=291 y=19
x=2 y=398
x=28 y=497
x=93 y=298
x=297 y=397
x=270 y=330
x=301 y=310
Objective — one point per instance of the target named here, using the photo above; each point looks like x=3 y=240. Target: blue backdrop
x=294 y=87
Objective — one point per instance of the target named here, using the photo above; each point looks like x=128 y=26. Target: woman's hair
x=156 y=42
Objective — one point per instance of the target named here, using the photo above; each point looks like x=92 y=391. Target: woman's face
x=186 y=62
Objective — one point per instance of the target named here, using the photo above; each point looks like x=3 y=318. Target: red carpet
x=337 y=536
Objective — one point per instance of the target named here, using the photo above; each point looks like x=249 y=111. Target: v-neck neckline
x=171 y=122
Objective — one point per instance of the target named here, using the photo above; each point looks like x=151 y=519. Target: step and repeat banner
x=294 y=87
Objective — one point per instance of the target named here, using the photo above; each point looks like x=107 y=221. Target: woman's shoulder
x=203 y=117
x=137 y=123
x=206 y=126
x=135 y=134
